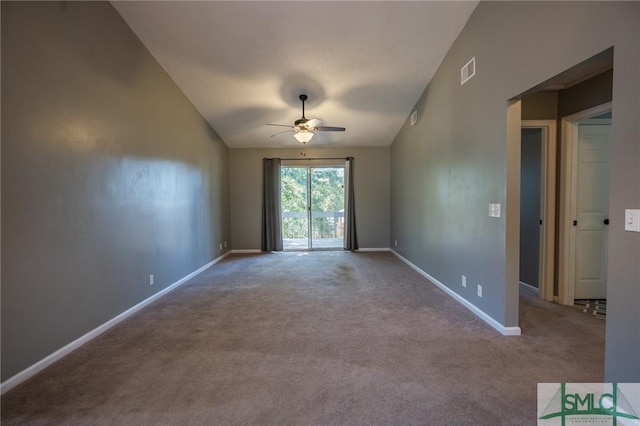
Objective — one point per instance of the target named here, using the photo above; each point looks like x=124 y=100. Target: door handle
x=606 y=221
x=575 y=223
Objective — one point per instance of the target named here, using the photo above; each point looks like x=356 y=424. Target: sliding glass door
x=312 y=207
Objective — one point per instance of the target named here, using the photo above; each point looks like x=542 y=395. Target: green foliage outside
x=327 y=202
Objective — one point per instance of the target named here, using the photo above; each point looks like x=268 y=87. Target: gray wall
x=447 y=168
x=530 y=191
x=371 y=186
x=109 y=174
x=592 y=92
x=540 y=106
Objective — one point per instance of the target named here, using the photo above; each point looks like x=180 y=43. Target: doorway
x=312 y=205
x=576 y=89
x=584 y=208
x=538 y=206
x=530 y=206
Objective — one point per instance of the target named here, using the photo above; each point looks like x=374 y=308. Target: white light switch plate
x=632 y=220
x=494 y=210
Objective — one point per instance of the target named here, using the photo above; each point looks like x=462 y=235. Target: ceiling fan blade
x=313 y=122
x=328 y=129
x=281 y=133
x=280 y=125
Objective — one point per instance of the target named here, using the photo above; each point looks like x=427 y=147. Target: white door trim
x=568 y=181
x=546 y=267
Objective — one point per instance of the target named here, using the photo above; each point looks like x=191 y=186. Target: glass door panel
x=327 y=207
x=294 y=198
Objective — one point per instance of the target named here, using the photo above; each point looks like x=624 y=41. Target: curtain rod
x=314 y=158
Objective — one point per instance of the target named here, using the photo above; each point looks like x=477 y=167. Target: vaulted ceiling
x=243 y=64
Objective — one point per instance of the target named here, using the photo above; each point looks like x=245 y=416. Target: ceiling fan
x=303 y=128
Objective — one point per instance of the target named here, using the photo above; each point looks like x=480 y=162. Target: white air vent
x=414 y=117
x=468 y=71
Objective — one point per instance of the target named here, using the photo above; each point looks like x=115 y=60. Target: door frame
x=568 y=183
x=310 y=164
x=546 y=263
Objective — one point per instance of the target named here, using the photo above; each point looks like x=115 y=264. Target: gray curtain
x=350 y=237
x=271 y=217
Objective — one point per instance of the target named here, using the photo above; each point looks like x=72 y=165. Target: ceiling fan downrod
x=303 y=98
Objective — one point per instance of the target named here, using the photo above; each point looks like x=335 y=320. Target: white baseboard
x=246 y=251
x=506 y=331
x=530 y=287
x=374 y=249
x=29 y=372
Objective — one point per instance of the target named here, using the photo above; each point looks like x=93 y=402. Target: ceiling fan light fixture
x=303 y=136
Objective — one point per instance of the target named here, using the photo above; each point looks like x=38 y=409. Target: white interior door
x=592 y=211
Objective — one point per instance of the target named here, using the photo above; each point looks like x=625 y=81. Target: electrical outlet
x=151 y=279
x=494 y=210
x=225 y=244
x=396 y=243
x=464 y=281
x=479 y=290
x=220 y=246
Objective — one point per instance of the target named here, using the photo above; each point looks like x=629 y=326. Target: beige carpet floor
x=311 y=339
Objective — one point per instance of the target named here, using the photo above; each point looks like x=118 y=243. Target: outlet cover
x=151 y=279
x=632 y=220
x=479 y=290
x=464 y=281
x=494 y=210
x=414 y=117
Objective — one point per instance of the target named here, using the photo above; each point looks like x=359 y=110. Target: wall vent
x=414 y=117
x=468 y=71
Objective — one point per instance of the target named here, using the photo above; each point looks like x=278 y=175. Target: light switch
x=632 y=220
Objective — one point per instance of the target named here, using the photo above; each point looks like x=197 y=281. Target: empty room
x=258 y=212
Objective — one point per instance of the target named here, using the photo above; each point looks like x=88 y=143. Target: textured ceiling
x=243 y=64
